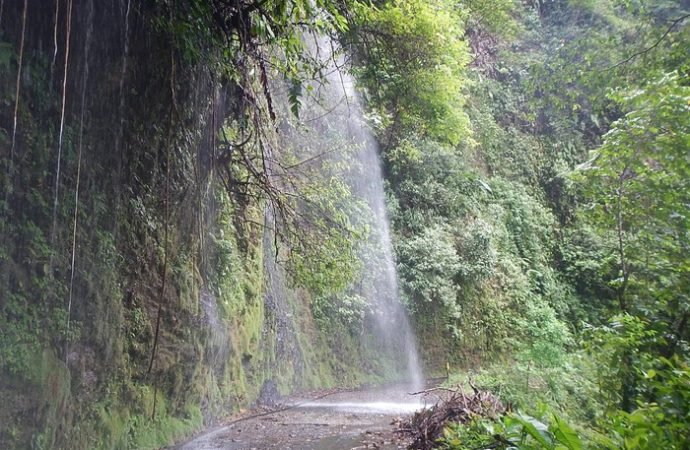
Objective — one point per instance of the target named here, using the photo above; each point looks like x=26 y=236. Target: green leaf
x=536 y=429
x=565 y=435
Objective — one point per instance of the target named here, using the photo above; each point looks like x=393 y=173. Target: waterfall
x=332 y=109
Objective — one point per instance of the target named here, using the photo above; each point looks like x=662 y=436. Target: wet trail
x=356 y=419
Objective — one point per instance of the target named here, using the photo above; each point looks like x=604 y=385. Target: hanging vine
x=85 y=77
x=18 y=84
x=62 y=120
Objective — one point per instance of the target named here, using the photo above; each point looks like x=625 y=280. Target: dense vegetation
x=538 y=188
x=537 y=165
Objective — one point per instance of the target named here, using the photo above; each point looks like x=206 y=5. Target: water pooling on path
x=344 y=420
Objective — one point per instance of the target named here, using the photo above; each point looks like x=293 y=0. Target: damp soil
x=336 y=420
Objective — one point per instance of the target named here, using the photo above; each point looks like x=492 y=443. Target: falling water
x=336 y=109
x=123 y=75
x=84 y=80
x=62 y=121
x=217 y=344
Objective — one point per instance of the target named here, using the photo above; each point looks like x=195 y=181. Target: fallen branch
x=427 y=425
x=437 y=388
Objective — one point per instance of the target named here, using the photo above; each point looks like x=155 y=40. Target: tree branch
x=652 y=47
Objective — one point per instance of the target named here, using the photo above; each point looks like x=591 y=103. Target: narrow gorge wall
x=138 y=302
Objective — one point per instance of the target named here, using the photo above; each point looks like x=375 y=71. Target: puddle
x=392 y=408
x=342 y=421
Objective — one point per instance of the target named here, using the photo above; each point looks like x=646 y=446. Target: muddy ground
x=342 y=420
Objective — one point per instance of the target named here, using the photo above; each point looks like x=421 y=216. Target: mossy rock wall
x=137 y=137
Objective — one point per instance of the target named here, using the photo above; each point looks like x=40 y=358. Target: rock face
x=110 y=210
x=137 y=302
x=269 y=397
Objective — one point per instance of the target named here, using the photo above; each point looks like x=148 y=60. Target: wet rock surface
x=269 y=397
x=358 y=419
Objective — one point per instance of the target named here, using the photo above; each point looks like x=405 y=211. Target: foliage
x=495 y=16
x=586 y=262
x=203 y=29
x=637 y=184
x=651 y=425
x=505 y=243
x=430 y=263
x=432 y=184
x=324 y=255
x=513 y=431
x=253 y=44
x=623 y=351
x=482 y=108
x=415 y=55
x=661 y=423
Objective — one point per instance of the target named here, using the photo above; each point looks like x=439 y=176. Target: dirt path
x=345 y=420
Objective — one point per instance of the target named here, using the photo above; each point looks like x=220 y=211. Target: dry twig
x=426 y=426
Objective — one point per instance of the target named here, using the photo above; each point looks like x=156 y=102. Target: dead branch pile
x=427 y=425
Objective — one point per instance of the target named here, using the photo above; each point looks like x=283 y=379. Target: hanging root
x=168 y=144
x=84 y=80
x=123 y=74
x=62 y=119
x=19 y=77
x=55 y=39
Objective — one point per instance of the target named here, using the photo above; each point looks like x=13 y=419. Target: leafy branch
x=651 y=47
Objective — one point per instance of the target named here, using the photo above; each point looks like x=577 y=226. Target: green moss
x=104 y=399
x=113 y=427
x=188 y=282
x=43 y=387
x=145 y=433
